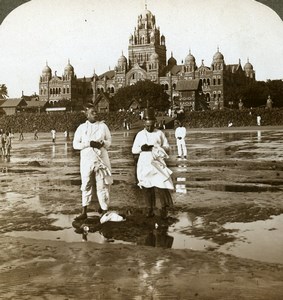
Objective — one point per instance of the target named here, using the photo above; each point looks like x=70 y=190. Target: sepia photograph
x=141 y=149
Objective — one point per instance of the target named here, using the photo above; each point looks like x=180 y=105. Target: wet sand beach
x=222 y=240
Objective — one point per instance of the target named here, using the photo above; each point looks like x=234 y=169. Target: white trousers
x=92 y=181
x=181 y=147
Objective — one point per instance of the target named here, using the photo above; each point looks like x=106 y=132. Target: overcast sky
x=93 y=34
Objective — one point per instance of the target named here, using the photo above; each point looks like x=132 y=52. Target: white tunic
x=151 y=168
x=87 y=132
x=180 y=132
x=94 y=160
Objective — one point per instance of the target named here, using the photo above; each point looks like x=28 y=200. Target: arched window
x=68 y=90
x=112 y=90
x=174 y=86
x=208 y=81
x=214 y=81
x=219 y=81
x=207 y=96
x=166 y=87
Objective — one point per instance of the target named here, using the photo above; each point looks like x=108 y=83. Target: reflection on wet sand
x=158 y=237
x=30 y=160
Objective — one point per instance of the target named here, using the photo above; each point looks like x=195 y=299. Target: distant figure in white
x=269 y=103
x=180 y=135
x=53 y=134
x=258 y=120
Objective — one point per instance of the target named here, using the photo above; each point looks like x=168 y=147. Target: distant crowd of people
x=235 y=118
x=44 y=122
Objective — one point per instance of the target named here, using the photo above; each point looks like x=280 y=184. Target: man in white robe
x=93 y=138
x=152 y=173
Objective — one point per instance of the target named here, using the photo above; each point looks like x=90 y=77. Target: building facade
x=147 y=60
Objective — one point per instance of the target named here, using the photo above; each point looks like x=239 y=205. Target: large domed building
x=186 y=83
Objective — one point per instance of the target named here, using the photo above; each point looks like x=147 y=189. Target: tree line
x=255 y=93
x=146 y=93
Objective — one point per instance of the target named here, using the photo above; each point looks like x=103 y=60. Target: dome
x=190 y=59
x=69 y=68
x=172 y=60
x=218 y=56
x=46 y=70
x=122 y=59
x=248 y=66
x=145 y=13
x=154 y=56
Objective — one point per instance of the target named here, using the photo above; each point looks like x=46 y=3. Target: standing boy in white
x=180 y=134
